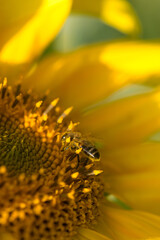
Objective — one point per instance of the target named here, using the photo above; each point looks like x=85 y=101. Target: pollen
x=75 y=175
x=46 y=193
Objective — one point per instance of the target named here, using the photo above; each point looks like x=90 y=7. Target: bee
x=75 y=142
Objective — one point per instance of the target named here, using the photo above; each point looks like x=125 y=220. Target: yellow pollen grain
x=68 y=140
x=50 y=134
x=32 y=123
x=96 y=160
x=40 y=129
x=45 y=198
x=60 y=119
x=5 y=82
x=50 y=198
x=71 y=194
x=38 y=104
x=74 y=175
x=67 y=111
x=72 y=125
x=86 y=190
x=36 y=201
x=44 y=117
x=89 y=166
x=58 y=138
x=78 y=150
x=62 y=184
x=54 y=102
x=97 y=172
x=22 y=205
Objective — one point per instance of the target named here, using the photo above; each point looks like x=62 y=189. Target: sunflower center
x=22 y=149
x=48 y=188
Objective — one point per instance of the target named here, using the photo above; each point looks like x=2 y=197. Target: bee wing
x=95 y=141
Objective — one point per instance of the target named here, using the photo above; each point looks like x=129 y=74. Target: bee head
x=66 y=138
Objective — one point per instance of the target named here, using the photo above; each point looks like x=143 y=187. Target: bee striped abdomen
x=90 y=150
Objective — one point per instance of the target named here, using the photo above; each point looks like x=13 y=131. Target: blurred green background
x=80 y=30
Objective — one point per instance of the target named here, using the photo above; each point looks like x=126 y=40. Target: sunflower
x=53 y=185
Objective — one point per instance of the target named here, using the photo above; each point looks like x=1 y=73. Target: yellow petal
x=133 y=174
x=88 y=234
x=129 y=225
x=136 y=59
x=14 y=14
x=14 y=73
x=124 y=122
x=117 y=13
x=35 y=35
x=93 y=73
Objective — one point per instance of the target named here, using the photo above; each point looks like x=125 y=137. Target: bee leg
x=64 y=148
x=73 y=156
x=78 y=161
